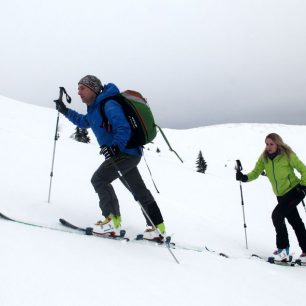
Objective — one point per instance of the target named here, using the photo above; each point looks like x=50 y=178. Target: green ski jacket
x=280 y=172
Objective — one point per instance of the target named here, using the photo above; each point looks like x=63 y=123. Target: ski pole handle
x=238 y=166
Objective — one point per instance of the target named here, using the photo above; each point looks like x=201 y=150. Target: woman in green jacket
x=279 y=161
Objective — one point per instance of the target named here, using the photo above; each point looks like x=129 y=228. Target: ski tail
x=219 y=253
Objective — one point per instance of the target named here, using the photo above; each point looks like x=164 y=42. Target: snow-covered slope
x=45 y=267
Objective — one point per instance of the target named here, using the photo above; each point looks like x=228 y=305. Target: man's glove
x=61 y=107
x=109 y=152
x=241 y=177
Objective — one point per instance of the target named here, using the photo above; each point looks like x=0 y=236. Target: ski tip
x=5 y=217
x=256 y=256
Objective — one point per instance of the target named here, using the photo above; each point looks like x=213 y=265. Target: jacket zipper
x=274 y=176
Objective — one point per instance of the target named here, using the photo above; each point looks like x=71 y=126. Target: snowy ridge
x=53 y=268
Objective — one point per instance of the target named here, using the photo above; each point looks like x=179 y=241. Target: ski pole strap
x=166 y=140
x=63 y=90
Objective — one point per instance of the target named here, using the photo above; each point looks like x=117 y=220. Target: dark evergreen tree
x=85 y=136
x=201 y=163
x=81 y=135
x=157 y=150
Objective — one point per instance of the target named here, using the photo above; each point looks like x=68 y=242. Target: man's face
x=86 y=94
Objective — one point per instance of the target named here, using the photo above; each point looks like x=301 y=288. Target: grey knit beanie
x=92 y=83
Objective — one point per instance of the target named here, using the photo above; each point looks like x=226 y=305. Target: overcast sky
x=198 y=62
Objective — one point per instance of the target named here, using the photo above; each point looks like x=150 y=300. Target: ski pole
x=239 y=169
x=56 y=137
x=150 y=174
x=166 y=140
x=167 y=241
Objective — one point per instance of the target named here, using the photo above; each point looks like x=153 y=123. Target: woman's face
x=271 y=146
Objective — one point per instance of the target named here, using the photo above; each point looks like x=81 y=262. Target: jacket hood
x=109 y=90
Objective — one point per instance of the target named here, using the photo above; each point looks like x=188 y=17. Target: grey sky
x=198 y=62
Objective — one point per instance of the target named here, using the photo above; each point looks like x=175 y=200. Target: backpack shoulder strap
x=105 y=123
x=102 y=112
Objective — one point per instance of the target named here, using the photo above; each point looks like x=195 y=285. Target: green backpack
x=139 y=116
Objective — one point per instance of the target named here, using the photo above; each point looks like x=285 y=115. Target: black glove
x=109 y=152
x=61 y=107
x=241 y=177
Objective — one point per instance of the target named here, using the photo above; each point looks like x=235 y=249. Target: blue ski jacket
x=120 y=132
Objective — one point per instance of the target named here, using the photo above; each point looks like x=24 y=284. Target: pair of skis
x=71 y=228
x=90 y=231
x=140 y=238
x=112 y=235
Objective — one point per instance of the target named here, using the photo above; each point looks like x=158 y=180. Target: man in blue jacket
x=117 y=157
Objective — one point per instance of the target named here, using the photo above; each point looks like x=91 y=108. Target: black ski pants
x=287 y=208
x=132 y=180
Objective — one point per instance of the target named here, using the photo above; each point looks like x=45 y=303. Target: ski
x=5 y=217
x=155 y=241
x=290 y=263
x=199 y=249
x=90 y=231
x=69 y=228
x=218 y=253
x=158 y=241
x=173 y=245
